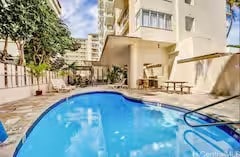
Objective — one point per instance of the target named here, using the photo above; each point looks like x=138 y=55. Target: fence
x=14 y=76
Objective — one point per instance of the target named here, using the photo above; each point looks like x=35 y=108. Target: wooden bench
x=186 y=87
x=166 y=87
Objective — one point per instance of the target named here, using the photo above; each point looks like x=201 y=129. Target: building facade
x=78 y=56
x=93 y=47
x=106 y=20
x=169 y=33
x=56 y=6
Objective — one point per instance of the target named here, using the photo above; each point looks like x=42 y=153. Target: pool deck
x=18 y=116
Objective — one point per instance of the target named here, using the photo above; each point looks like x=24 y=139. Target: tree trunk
x=5 y=49
x=231 y=22
x=38 y=84
x=20 y=46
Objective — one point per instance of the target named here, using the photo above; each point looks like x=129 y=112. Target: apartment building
x=93 y=47
x=177 y=34
x=106 y=20
x=55 y=5
x=78 y=56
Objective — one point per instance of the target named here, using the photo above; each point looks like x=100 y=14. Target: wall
x=209 y=23
x=219 y=75
x=146 y=52
x=16 y=83
x=14 y=94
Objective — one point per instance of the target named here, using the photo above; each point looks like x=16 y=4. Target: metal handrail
x=207 y=106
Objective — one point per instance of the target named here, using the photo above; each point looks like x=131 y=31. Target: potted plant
x=37 y=71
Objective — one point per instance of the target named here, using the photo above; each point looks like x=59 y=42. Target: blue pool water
x=109 y=125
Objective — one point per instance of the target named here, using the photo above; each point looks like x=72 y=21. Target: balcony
x=109 y=19
x=108 y=5
x=123 y=22
x=108 y=30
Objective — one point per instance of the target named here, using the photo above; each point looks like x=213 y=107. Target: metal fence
x=14 y=76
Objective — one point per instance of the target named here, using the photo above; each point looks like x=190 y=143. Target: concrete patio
x=18 y=116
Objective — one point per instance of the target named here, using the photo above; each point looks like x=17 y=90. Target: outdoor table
x=174 y=84
x=150 y=82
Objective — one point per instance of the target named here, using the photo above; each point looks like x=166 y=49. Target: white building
x=78 y=56
x=93 y=47
x=177 y=34
x=106 y=20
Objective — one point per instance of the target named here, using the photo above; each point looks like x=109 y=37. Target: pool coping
x=227 y=129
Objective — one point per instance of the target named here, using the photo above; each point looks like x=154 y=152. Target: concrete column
x=133 y=66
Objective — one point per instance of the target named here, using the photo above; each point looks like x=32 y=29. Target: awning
x=208 y=56
x=154 y=66
x=116 y=48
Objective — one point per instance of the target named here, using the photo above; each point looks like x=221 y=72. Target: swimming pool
x=107 y=124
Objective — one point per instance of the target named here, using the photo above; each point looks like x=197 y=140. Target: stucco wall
x=228 y=82
x=14 y=94
x=219 y=75
x=142 y=53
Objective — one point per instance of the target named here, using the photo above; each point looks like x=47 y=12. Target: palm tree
x=71 y=68
x=232 y=15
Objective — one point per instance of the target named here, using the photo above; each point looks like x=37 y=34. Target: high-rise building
x=93 y=47
x=78 y=56
x=106 y=20
x=56 y=6
x=88 y=51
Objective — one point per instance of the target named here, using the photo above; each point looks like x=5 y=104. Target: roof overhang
x=115 y=48
x=208 y=56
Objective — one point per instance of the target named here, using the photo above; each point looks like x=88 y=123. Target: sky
x=234 y=35
x=81 y=16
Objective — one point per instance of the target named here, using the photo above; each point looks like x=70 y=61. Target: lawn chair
x=119 y=85
x=61 y=81
x=59 y=86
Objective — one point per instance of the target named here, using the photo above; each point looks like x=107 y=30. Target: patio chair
x=64 y=84
x=119 y=85
x=59 y=86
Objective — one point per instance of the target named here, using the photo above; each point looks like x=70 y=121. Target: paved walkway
x=18 y=116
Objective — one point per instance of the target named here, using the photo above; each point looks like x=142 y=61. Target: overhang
x=208 y=56
x=116 y=48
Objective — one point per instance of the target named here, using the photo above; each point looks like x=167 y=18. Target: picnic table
x=175 y=83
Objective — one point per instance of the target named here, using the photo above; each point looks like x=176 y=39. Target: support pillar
x=133 y=66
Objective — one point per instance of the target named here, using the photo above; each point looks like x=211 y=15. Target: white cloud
x=80 y=16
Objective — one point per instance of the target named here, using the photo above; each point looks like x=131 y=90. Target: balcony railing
x=123 y=21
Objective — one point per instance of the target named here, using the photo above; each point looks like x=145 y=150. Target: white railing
x=14 y=76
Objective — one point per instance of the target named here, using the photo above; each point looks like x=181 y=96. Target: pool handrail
x=207 y=106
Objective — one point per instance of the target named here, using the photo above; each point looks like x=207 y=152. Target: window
x=161 y=20
x=153 y=19
x=138 y=20
x=189 y=2
x=145 y=18
x=168 y=23
x=189 y=24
